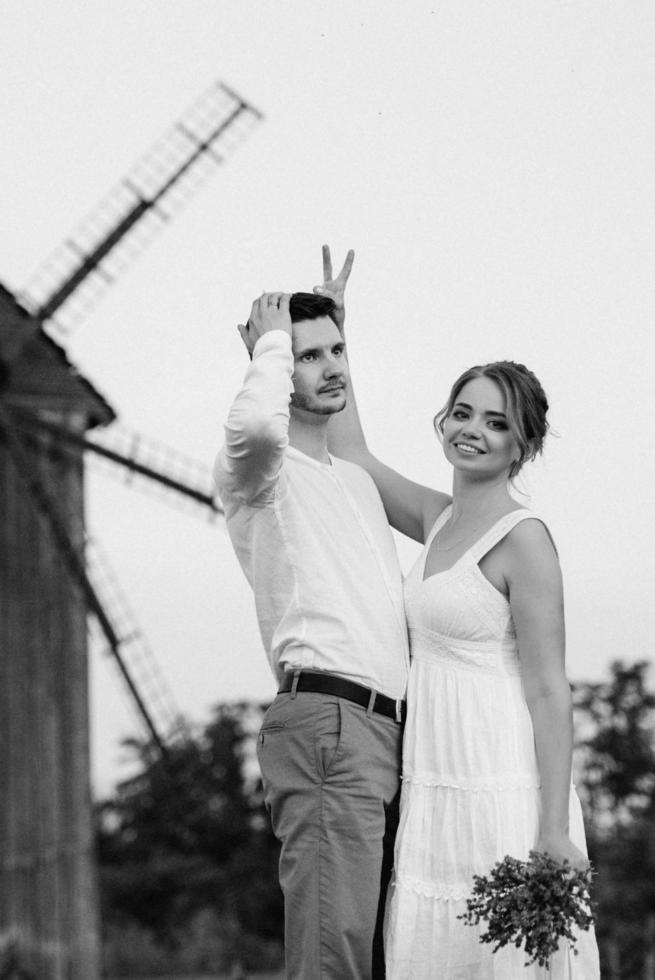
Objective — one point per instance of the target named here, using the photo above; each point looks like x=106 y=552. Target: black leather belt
x=313 y=682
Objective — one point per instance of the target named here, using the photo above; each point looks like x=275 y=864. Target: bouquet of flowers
x=534 y=903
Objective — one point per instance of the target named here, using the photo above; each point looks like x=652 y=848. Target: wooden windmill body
x=50 y=417
x=47 y=888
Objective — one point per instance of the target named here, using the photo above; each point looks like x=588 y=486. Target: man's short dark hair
x=309 y=306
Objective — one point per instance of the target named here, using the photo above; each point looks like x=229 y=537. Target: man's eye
x=338 y=351
x=308 y=357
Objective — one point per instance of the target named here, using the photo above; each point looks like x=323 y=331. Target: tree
x=616 y=782
x=190 y=833
x=619 y=747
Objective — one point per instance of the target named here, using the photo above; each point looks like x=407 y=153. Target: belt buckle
x=399 y=710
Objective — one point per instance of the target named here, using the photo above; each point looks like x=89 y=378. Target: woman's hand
x=336 y=288
x=560 y=848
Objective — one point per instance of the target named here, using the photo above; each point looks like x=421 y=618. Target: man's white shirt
x=312 y=539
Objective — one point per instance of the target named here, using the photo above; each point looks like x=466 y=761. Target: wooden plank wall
x=48 y=894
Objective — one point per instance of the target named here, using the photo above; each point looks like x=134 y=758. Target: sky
x=492 y=167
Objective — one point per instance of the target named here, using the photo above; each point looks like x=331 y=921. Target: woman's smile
x=468 y=449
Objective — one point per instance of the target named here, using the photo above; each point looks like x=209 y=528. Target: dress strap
x=438 y=524
x=500 y=529
x=432 y=533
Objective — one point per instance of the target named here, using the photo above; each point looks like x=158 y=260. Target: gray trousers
x=331 y=772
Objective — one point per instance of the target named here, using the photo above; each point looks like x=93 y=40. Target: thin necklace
x=450 y=547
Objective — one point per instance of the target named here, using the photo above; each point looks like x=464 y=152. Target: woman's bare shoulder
x=529 y=542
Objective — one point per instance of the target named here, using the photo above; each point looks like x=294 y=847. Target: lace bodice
x=458 y=614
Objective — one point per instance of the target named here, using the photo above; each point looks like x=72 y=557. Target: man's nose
x=332 y=367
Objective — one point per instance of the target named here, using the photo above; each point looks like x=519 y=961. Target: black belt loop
x=294 y=686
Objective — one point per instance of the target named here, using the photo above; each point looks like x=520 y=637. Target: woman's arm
x=410 y=507
x=536 y=600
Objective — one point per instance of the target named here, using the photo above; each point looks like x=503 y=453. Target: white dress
x=470 y=790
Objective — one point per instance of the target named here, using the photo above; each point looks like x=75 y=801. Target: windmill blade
x=64 y=287
x=134 y=650
x=156 y=708
x=147 y=463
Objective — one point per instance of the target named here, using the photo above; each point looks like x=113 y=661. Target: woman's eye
x=458 y=414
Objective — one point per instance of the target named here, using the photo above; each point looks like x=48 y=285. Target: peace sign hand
x=336 y=288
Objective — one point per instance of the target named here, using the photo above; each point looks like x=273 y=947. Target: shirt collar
x=301 y=457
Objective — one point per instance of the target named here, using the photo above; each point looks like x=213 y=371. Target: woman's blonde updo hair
x=525 y=400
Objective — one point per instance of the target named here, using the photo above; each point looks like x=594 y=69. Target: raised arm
x=410 y=507
x=536 y=600
x=256 y=431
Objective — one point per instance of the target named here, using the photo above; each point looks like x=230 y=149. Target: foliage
x=209 y=945
x=617 y=718
x=190 y=836
x=534 y=903
x=616 y=783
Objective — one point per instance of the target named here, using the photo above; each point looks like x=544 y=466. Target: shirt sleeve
x=257 y=427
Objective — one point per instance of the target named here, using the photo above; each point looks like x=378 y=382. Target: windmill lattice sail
x=154 y=701
x=64 y=287
x=89 y=571
x=133 y=458
x=154 y=466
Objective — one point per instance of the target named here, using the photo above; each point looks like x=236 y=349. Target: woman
x=488 y=741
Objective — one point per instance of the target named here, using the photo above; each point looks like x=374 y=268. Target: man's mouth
x=466 y=447
x=332 y=388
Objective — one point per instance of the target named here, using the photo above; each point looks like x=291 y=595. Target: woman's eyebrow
x=470 y=409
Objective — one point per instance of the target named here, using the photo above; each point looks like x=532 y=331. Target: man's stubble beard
x=306 y=404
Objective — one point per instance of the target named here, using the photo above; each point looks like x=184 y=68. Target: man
x=313 y=540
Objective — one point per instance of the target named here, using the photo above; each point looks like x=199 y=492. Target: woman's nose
x=471 y=429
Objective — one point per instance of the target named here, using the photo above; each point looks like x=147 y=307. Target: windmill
x=54 y=582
